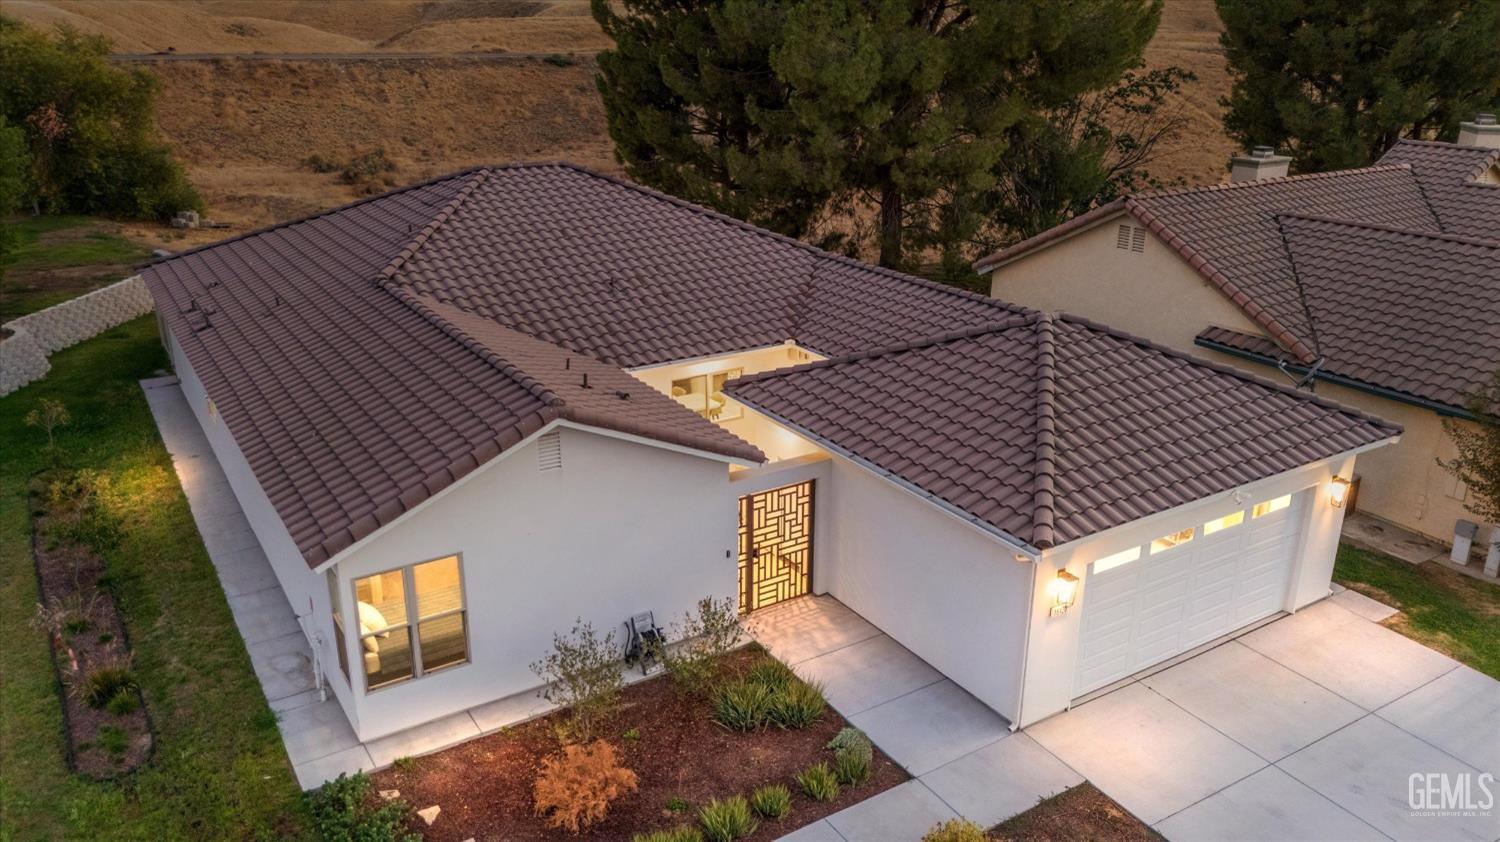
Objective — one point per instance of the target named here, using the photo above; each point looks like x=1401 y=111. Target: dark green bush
x=342 y=812
x=727 y=820
x=772 y=801
x=819 y=782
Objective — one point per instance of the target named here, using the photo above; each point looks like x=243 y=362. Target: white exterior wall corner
x=1051 y=660
x=951 y=594
x=1154 y=293
x=304 y=589
x=619 y=529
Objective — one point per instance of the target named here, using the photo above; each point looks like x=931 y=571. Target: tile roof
x=1052 y=428
x=1453 y=179
x=369 y=356
x=1412 y=312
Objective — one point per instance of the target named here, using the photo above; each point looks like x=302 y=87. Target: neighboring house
x=460 y=415
x=1377 y=287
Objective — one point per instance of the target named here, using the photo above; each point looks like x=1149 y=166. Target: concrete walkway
x=963 y=757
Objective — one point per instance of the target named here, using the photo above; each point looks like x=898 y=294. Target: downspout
x=1026 y=648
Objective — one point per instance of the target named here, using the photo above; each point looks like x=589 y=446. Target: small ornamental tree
x=582 y=673
x=1478 y=461
x=705 y=639
x=49 y=415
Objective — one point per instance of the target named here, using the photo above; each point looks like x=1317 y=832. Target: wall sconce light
x=1339 y=493
x=1063 y=590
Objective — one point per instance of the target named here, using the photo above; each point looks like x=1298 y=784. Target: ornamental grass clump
x=742 y=705
x=852 y=756
x=574 y=790
x=727 y=820
x=819 y=783
x=772 y=801
x=796 y=705
x=681 y=833
x=955 y=830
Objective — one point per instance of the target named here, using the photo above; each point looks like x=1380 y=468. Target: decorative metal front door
x=775 y=545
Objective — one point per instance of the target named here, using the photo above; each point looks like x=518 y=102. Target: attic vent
x=549 y=452
x=1131 y=238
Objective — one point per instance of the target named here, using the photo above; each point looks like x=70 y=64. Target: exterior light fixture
x=1063 y=589
x=1339 y=493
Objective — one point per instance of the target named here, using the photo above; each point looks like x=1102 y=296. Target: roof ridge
x=1224 y=368
x=1009 y=323
x=414 y=245
x=1391 y=229
x=1044 y=475
x=1265 y=182
x=1215 y=276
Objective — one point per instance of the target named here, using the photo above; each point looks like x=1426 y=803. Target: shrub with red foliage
x=575 y=788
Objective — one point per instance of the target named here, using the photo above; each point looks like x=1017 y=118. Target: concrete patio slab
x=1000 y=780
x=1253 y=700
x=931 y=727
x=1370 y=665
x=818 y=831
x=315 y=730
x=263 y=615
x=315 y=773
x=225 y=533
x=868 y=673
x=1268 y=806
x=1370 y=609
x=900 y=814
x=1372 y=533
x=424 y=738
x=283 y=665
x=1459 y=713
x=1366 y=768
x=245 y=571
x=804 y=628
x=1151 y=756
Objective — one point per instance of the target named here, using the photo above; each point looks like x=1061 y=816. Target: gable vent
x=549 y=452
x=1130 y=238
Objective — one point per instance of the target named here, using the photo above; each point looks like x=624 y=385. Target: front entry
x=775 y=545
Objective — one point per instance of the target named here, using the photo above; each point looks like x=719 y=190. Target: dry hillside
x=243 y=128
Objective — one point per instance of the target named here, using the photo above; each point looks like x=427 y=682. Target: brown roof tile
x=1049 y=429
x=1450 y=176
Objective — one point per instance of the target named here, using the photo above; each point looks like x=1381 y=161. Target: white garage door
x=1147 y=603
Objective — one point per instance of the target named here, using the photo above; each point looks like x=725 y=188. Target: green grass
x=1440 y=608
x=219 y=770
x=53 y=258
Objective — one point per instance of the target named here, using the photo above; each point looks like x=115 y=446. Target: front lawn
x=681 y=759
x=62 y=257
x=1448 y=611
x=218 y=770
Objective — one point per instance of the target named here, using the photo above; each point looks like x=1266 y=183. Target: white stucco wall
x=1053 y=650
x=621 y=528
x=939 y=587
x=305 y=590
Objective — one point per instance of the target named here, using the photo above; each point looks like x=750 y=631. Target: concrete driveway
x=1308 y=728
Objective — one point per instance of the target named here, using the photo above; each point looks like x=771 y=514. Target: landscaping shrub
x=727 y=820
x=798 y=704
x=113 y=739
x=80 y=503
x=742 y=705
x=853 y=757
x=342 y=812
x=104 y=683
x=772 y=801
x=575 y=789
x=582 y=673
x=846 y=737
x=694 y=663
x=819 y=782
x=955 y=830
x=772 y=673
x=368 y=171
x=122 y=703
x=681 y=833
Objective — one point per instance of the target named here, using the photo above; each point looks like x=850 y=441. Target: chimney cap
x=1261 y=151
x=1484 y=118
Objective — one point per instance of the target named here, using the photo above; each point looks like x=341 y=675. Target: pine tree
x=1335 y=83
x=789 y=113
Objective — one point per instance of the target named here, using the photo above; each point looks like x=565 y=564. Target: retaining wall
x=23 y=355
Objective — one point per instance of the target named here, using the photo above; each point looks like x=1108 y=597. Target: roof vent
x=1261 y=162
x=1483 y=132
x=549 y=452
x=1131 y=238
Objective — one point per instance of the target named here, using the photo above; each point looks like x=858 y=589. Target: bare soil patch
x=107 y=736
x=1082 y=814
x=484 y=787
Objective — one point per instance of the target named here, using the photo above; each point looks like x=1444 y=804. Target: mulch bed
x=484 y=786
x=86 y=632
x=1081 y=814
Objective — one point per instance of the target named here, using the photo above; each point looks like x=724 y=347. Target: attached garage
x=1151 y=601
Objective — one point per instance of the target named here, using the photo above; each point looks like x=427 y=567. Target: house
x=462 y=414
x=1377 y=287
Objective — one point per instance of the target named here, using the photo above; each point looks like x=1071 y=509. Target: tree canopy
x=89 y=128
x=1335 y=83
x=797 y=113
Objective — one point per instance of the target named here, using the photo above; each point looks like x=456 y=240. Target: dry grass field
x=244 y=128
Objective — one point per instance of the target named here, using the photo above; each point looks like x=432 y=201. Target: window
x=1269 y=506
x=1110 y=562
x=1167 y=542
x=1223 y=523
x=335 y=605
x=704 y=394
x=412 y=621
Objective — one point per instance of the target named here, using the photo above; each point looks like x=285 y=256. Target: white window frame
x=730 y=405
x=413 y=622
